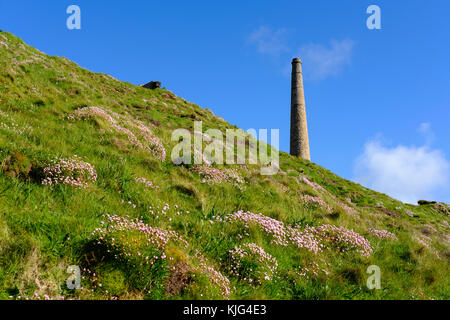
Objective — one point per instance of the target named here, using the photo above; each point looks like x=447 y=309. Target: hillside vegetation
x=86 y=180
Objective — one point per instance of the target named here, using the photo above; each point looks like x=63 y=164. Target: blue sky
x=378 y=101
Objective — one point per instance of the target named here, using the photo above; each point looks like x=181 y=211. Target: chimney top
x=296 y=60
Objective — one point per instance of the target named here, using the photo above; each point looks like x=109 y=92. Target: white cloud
x=320 y=62
x=405 y=173
x=268 y=41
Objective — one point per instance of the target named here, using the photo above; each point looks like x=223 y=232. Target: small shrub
x=252 y=264
x=17 y=166
x=137 y=248
x=72 y=171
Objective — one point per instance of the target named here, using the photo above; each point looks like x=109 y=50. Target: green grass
x=43 y=229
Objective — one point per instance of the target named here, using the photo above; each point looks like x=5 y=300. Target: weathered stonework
x=299 y=129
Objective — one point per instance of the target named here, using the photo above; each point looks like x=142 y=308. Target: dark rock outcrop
x=425 y=202
x=152 y=85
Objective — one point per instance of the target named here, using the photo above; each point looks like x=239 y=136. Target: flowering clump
x=130 y=135
x=341 y=238
x=145 y=182
x=136 y=245
x=281 y=234
x=217 y=278
x=304 y=239
x=117 y=228
x=310 y=199
x=217 y=176
x=314 y=239
x=155 y=146
x=135 y=249
x=151 y=143
x=313 y=185
x=348 y=209
x=383 y=234
x=252 y=263
x=270 y=226
x=89 y=112
x=72 y=171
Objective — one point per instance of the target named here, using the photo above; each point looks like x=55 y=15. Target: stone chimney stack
x=299 y=128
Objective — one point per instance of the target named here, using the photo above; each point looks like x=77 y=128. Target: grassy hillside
x=86 y=179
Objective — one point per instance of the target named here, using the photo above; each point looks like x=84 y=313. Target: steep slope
x=86 y=180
